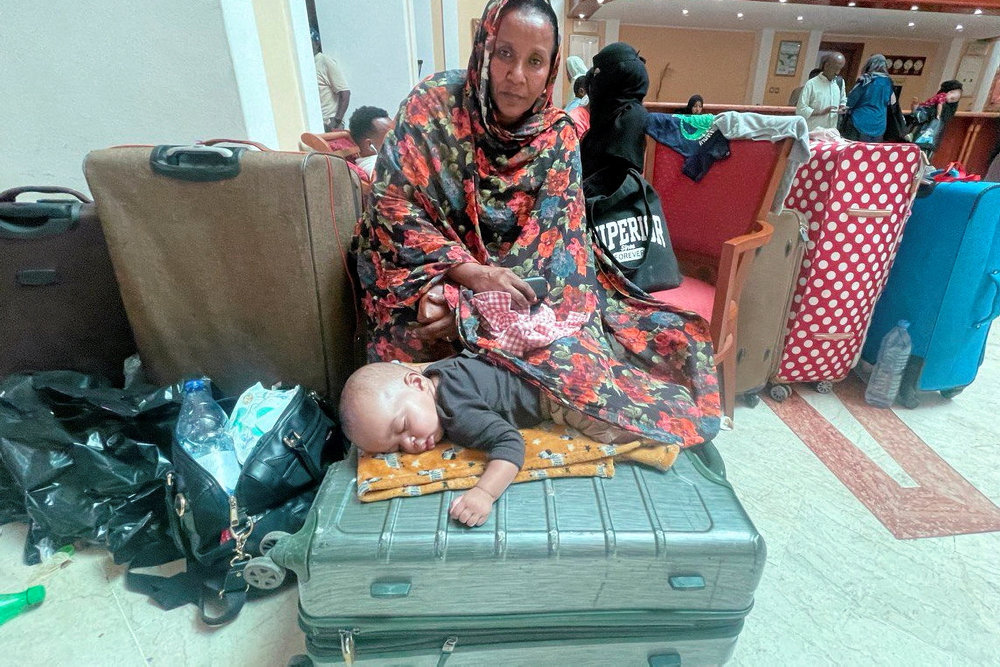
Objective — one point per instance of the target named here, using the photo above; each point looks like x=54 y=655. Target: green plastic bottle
x=12 y=604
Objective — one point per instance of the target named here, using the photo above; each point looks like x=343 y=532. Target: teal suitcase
x=648 y=567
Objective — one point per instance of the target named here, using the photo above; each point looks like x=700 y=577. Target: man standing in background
x=334 y=93
x=823 y=98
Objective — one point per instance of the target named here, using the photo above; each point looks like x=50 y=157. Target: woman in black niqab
x=617 y=135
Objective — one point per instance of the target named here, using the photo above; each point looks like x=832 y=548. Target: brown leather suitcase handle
x=12 y=193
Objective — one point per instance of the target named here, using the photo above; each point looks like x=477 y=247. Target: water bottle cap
x=35 y=594
x=195 y=385
x=905 y=324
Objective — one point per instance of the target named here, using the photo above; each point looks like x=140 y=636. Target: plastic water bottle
x=201 y=431
x=883 y=385
x=12 y=604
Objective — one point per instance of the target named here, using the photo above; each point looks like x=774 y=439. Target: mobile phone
x=539 y=286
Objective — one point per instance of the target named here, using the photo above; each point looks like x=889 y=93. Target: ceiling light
x=978 y=12
x=911 y=24
x=600 y=2
x=798 y=18
x=959 y=27
x=739 y=15
x=914 y=8
x=852 y=4
x=782 y=1
x=684 y=12
x=583 y=16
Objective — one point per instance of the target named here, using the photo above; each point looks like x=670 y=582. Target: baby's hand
x=472 y=507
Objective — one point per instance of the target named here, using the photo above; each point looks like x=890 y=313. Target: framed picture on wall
x=788 y=58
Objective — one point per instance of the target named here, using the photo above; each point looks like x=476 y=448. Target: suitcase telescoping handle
x=993 y=275
x=46 y=217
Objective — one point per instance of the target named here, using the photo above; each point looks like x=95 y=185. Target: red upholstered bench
x=715 y=225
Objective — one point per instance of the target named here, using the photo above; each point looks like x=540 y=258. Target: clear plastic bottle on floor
x=201 y=431
x=883 y=385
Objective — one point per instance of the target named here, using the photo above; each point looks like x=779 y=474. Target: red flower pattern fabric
x=453 y=186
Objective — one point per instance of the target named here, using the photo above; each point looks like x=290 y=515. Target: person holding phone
x=479 y=188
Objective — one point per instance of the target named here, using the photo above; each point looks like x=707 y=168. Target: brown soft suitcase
x=232 y=261
x=764 y=304
x=59 y=303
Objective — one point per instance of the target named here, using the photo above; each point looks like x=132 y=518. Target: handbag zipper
x=236 y=533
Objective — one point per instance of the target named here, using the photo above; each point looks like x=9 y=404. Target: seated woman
x=695 y=105
x=478 y=188
x=941 y=107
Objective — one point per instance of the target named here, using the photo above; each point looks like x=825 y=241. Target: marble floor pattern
x=882 y=527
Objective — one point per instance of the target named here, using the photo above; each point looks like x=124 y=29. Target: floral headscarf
x=478 y=81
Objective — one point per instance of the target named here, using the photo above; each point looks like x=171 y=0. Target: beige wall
x=468 y=11
x=778 y=88
x=922 y=86
x=691 y=61
x=281 y=67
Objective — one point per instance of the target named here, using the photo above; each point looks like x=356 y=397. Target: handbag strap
x=219 y=596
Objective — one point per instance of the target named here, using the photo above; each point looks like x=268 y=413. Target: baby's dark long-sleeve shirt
x=482 y=406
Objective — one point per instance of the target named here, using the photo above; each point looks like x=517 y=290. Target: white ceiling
x=722 y=14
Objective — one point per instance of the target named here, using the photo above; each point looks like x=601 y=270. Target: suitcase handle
x=197 y=163
x=994 y=275
x=244 y=142
x=32 y=220
x=11 y=194
x=869 y=213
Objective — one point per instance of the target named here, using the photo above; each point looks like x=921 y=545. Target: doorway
x=852 y=55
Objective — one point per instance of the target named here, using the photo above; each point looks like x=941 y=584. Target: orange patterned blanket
x=551 y=450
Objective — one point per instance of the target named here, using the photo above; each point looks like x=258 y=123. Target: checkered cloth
x=520 y=330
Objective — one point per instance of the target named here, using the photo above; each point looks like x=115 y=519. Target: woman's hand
x=481 y=278
x=435 y=316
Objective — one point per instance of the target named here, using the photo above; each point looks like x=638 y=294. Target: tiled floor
x=829 y=495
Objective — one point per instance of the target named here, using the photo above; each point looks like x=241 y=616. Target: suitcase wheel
x=751 y=398
x=263 y=573
x=907 y=397
x=270 y=539
x=824 y=387
x=952 y=393
x=780 y=392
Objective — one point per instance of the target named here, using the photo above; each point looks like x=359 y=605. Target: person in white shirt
x=334 y=93
x=823 y=98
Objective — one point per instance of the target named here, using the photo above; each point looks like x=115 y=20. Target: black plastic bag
x=81 y=460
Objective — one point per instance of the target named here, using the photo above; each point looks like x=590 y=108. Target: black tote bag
x=627 y=223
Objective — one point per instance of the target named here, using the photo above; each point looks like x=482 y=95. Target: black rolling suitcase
x=59 y=301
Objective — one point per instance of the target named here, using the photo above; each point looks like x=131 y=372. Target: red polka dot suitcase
x=856 y=198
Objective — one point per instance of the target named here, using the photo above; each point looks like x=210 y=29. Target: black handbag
x=628 y=225
x=218 y=534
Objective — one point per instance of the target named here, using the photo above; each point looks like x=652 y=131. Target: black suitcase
x=59 y=301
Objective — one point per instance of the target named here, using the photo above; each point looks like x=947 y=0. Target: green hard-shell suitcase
x=647 y=567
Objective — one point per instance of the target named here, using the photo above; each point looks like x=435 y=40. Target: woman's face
x=696 y=107
x=519 y=65
x=954 y=95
